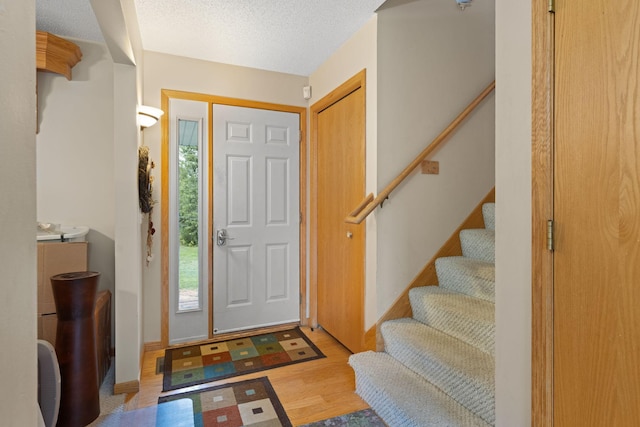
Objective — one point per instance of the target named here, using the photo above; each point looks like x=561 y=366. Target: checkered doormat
x=250 y=402
x=198 y=364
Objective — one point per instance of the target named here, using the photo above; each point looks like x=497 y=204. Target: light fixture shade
x=148 y=116
x=463 y=4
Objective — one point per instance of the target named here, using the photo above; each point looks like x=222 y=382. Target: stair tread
x=402 y=398
x=469 y=276
x=462 y=316
x=462 y=371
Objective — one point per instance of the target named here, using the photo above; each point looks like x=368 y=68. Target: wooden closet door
x=340 y=246
x=596 y=322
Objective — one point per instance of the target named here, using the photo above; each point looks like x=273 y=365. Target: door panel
x=277 y=267
x=277 y=186
x=340 y=246
x=597 y=214
x=238 y=283
x=239 y=190
x=256 y=202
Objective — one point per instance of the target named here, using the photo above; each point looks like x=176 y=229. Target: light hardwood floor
x=309 y=391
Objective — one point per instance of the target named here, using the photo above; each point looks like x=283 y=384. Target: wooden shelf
x=55 y=54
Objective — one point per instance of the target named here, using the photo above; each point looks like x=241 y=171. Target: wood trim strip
x=370 y=339
x=153 y=346
x=127 y=387
x=238 y=102
x=428 y=277
x=210 y=143
x=303 y=217
x=164 y=222
x=239 y=334
x=313 y=217
x=542 y=210
x=357 y=216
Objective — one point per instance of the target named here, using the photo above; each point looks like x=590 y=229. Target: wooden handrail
x=370 y=203
x=361 y=206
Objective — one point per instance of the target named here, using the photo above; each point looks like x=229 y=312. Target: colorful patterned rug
x=364 y=418
x=245 y=403
x=198 y=364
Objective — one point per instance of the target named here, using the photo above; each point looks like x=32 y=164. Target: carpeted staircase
x=438 y=367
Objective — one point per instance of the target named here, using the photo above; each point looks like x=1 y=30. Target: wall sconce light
x=463 y=4
x=148 y=116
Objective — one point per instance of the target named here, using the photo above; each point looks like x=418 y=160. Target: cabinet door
x=47 y=326
x=57 y=258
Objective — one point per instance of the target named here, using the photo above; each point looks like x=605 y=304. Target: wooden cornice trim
x=428 y=277
x=55 y=54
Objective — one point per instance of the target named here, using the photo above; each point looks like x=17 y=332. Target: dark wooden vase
x=75 y=297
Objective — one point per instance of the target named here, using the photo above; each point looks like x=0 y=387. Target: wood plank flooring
x=309 y=391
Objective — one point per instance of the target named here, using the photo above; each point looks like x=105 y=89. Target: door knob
x=349 y=235
x=222 y=237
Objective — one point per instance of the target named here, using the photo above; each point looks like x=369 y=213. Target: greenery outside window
x=189 y=259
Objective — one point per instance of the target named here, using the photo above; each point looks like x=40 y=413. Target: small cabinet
x=56 y=258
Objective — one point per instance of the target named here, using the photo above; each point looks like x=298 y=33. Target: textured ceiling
x=71 y=18
x=289 y=36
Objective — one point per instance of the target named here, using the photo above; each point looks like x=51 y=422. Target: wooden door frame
x=354 y=83
x=542 y=99
x=167 y=94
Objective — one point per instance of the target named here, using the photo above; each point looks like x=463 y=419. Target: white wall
x=163 y=71
x=513 y=213
x=433 y=59
x=129 y=294
x=18 y=367
x=119 y=27
x=75 y=153
x=359 y=52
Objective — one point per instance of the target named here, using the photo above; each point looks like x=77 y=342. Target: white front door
x=256 y=216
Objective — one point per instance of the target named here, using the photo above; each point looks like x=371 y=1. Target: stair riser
x=478 y=244
x=466 y=276
x=468 y=319
x=489 y=215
